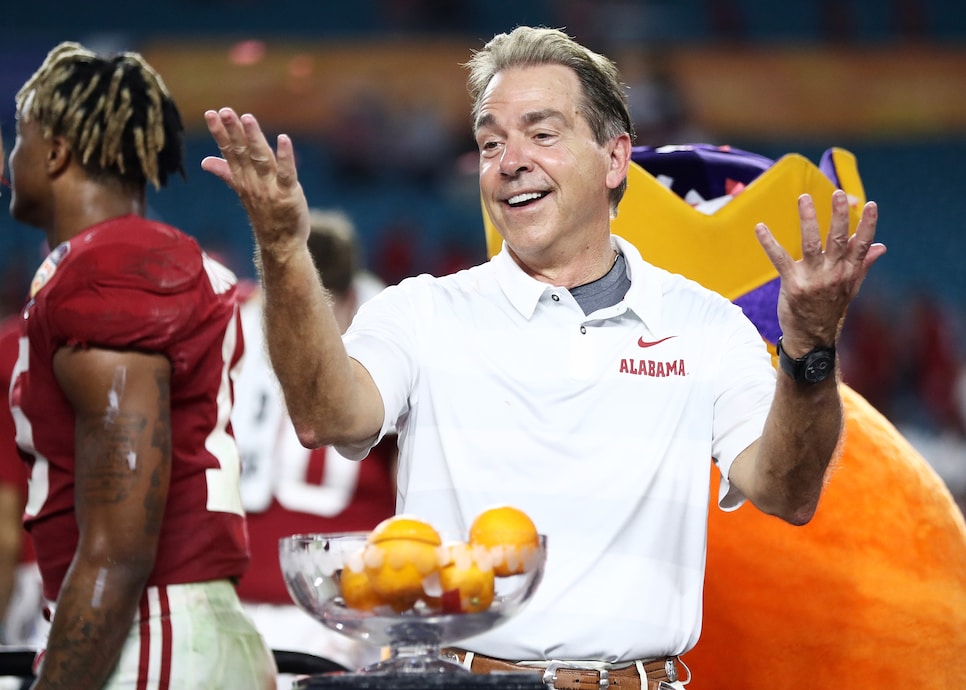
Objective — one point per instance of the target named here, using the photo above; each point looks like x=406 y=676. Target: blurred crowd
x=907 y=359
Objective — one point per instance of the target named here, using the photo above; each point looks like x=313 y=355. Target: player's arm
x=330 y=397
x=122 y=439
x=11 y=538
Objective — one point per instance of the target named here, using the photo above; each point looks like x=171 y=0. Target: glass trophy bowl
x=312 y=566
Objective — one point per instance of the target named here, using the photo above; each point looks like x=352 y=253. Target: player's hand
x=816 y=290
x=267 y=184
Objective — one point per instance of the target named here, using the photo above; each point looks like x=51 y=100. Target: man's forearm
x=305 y=346
x=94 y=614
x=799 y=440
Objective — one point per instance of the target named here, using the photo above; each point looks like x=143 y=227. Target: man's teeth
x=521 y=198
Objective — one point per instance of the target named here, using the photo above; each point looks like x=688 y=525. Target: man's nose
x=514 y=159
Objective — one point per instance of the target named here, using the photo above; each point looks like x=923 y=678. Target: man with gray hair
x=566 y=376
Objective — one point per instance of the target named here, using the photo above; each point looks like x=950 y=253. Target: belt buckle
x=550 y=674
x=671 y=670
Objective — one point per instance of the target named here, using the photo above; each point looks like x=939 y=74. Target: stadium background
x=373 y=94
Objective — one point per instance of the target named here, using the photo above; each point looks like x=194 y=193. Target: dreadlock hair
x=115 y=112
x=604 y=103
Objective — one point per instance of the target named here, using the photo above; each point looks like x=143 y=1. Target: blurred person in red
x=21 y=602
x=287 y=488
x=869 y=355
x=933 y=364
x=122 y=392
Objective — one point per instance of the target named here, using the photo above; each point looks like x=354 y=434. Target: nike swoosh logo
x=644 y=343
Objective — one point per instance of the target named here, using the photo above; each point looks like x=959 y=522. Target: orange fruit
x=466 y=580
x=404 y=527
x=402 y=551
x=510 y=536
x=357 y=592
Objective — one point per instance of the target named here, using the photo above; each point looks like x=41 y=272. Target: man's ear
x=59 y=155
x=620 y=158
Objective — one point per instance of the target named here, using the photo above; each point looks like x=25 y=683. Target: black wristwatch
x=816 y=365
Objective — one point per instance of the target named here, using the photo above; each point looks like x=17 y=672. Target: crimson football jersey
x=13 y=471
x=134 y=284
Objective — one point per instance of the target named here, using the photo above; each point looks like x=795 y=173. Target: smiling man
x=545 y=176
x=528 y=380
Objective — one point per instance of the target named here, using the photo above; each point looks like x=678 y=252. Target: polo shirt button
x=555 y=298
x=583 y=330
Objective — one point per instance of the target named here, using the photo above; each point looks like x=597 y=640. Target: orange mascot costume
x=872 y=592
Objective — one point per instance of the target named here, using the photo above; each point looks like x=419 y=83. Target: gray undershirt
x=606 y=291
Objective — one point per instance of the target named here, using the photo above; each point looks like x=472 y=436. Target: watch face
x=818 y=366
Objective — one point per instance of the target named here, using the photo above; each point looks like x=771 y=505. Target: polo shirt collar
x=643 y=297
x=523 y=291
x=646 y=294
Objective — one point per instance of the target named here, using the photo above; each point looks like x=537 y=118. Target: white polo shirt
x=600 y=427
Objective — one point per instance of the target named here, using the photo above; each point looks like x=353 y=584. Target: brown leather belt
x=563 y=676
